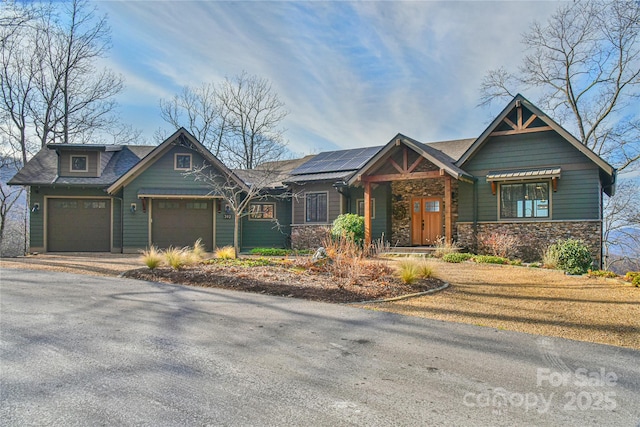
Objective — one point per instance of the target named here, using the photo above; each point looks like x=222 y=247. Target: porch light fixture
x=35 y=208
x=133 y=208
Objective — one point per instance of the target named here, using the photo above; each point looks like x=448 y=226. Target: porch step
x=410 y=251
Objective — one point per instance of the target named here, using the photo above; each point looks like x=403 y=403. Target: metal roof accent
x=522 y=174
x=176 y=192
x=329 y=176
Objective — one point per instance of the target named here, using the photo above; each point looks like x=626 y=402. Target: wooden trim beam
x=527 y=130
x=448 y=209
x=395 y=165
x=401 y=176
x=528 y=122
x=415 y=164
x=367 y=213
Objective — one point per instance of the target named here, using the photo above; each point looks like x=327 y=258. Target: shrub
x=457 y=257
x=490 y=259
x=270 y=251
x=409 y=271
x=425 y=271
x=574 y=257
x=227 y=252
x=350 y=226
x=633 y=277
x=151 y=257
x=442 y=248
x=551 y=257
x=198 y=250
x=175 y=258
x=602 y=273
x=499 y=244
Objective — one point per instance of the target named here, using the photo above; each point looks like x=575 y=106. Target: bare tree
x=622 y=226
x=585 y=61
x=75 y=98
x=240 y=189
x=255 y=113
x=198 y=110
x=238 y=121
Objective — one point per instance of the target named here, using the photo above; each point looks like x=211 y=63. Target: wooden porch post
x=367 y=213
x=448 y=211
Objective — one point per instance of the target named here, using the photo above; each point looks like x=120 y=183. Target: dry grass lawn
x=531 y=300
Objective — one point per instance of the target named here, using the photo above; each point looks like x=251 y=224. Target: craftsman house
x=524 y=176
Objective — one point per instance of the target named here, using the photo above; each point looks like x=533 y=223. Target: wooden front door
x=426 y=220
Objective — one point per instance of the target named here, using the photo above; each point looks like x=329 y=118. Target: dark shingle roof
x=42 y=169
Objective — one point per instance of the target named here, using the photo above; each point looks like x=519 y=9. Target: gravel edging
x=401 y=297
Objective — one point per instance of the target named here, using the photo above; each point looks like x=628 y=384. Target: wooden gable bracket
x=494 y=187
x=519 y=126
x=554 y=183
x=406 y=168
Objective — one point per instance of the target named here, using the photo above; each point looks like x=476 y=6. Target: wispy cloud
x=351 y=73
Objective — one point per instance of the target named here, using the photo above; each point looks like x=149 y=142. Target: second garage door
x=78 y=225
x=180 y=223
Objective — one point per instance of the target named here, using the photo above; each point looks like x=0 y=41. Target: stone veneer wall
x=309 y=236
x=535 y=237
x=402 y=192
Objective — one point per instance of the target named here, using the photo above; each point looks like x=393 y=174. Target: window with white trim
x=316 y=207
x=182 y=162
x=524 y=200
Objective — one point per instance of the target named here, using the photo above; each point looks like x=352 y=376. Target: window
x=530 y=200
x=95 y=205
x=258 y=211
x=168 y=205
x=316 y=207
x=432 y=206
x=79 y=164
x=182 y=162
x=360 y=207
x=197 y=205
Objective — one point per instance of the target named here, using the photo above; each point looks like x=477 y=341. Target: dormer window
x=79 y=164
x=182 y=162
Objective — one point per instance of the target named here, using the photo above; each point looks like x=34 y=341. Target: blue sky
x=352 y=74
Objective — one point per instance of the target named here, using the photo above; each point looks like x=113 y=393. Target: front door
x=426 y=220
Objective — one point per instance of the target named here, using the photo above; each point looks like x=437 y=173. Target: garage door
x=78 y=225
x=180 y=223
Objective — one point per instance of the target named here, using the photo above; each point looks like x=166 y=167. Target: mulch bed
x=288 y=282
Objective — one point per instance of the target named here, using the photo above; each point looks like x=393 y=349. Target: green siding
x=161 y=174
x=265 y=233
x=224 y=227
x=381 y=224
x=578 y=195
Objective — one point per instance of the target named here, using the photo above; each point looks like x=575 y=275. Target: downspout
x=343 y=188
x=474 y=227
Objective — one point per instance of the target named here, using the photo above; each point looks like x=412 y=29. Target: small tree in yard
x=237 y=193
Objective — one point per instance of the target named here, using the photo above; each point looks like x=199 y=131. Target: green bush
x=574 y=257
x=490 y=259
x=456 y=257
x=350 y=226
x=270 y=251
x=633 y=277
x=602 y=273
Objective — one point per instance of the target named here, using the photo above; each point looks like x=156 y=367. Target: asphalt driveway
x=83 y=350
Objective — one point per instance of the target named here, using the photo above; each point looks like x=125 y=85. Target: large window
x=526 y=200
x=316 y=207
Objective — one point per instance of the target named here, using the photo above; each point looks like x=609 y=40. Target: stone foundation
x=535 y=237
x=309 y=236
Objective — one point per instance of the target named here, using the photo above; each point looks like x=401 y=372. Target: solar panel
x=335 y=161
